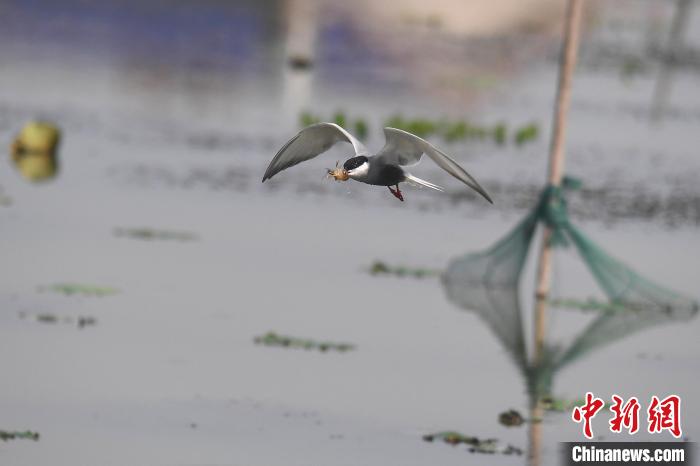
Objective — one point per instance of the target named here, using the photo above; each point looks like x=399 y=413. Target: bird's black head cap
x=354 y=162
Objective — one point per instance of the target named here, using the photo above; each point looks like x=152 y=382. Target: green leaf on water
x=448 y=129
x=70 y=289
x=361 y=129
x=381 y=268
x=285 y=341
x=308 y=119
x=499 y=134
x=476 y=445
x=339 y=119
x=153 y=234
x=511 y=418
x=47 y=318
x=526 y=133
x=6 y=435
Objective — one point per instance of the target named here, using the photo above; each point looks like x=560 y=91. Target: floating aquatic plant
x=419 y=126
x=448 y=130
x=476 y=445
x=70 y=289
x=526 y=134
x=85 y=321
x=153 y=234
x=361 y=129
x=308 y=119
x=500 y=134
x=358 y=125
x=274 y=339
x=382 y=268
x=511 y=418
x=6 y=435
x=339 y=119
x=49 y=318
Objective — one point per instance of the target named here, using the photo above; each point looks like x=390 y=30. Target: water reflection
x=671 y=57
x=488 y=284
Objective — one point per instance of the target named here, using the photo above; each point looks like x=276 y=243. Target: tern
x=386 y=168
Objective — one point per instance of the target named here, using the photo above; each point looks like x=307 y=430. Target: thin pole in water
x=567 y=64
x=556 y=161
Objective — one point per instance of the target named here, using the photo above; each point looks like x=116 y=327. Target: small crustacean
x=338 y=173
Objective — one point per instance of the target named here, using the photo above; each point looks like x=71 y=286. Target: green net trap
x=488 y=283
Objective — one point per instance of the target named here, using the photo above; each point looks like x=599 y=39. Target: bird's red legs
x=397 y=194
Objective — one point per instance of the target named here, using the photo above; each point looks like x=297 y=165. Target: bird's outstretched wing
x=310 y=142
x=404 y=148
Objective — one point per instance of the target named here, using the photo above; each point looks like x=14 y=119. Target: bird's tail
x=427 y=184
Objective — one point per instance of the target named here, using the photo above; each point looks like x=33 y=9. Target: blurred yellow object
x=34 y=150
x=37 y=167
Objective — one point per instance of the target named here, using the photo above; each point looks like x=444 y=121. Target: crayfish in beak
x=338 y=173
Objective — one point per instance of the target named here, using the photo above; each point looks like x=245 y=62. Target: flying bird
x=386 y=168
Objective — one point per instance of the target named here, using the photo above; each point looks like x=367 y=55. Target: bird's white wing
x=310 y=142
x=404 y=148
x=400 y=148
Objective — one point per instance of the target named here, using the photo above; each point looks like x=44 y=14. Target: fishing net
x=488 y=283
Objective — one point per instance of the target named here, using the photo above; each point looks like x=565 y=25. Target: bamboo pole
x=567 y=64
x=556 y=161
x=535 y=435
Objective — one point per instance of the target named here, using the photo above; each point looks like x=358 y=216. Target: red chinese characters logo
x=661 y=414
x=587 y=412
x=665 y=415
x=626 y=415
